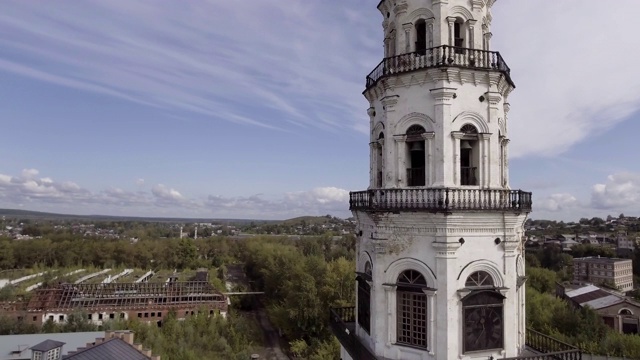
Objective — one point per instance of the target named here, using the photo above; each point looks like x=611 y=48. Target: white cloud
x=574 y=68
x=139 y=182
x=557 y=202
x=45 y=193
x=29 y=173
x=165 y=194
x=621 y=191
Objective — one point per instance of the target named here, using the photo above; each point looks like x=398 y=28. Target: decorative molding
x=473 y=118
x=420 y=13
x=444 y=94
x=400 y=8
x=389 y=102
x=493 y=97
x=397 y=267
x=446 y=249
x=414 y=118
x=487 y=266
x=460 y=10
x=477 y=5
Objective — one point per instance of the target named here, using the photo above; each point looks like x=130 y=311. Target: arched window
x=478 y=279
x=416 y=148
x=421 y=36
x=458 y=40
x=469 y=155
x=625 y=312
x=483 y=314
x=411 y=314
x=364 y=298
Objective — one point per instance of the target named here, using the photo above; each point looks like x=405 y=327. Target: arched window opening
x=469 y=155
x=411 y=313
x=379 y=160
x=421 y=37
x=458 y=40
x=364 y=298
x=479 y=279
x=483 y=321
x=416 y=148
x=625 y=312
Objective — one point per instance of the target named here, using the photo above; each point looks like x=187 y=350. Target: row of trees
x=144 y=254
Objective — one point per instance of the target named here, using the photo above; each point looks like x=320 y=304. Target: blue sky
x=241 y=109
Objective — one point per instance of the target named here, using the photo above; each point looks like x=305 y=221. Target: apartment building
x=599 y=270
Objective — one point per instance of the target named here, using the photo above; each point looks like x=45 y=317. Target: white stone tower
x=439 y=255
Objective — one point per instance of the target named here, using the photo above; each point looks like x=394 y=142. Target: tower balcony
x=437 y=57
x=538 y=346
x=440 y=200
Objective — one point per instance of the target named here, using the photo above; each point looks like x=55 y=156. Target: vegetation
x=302 y=280
x=557 y=318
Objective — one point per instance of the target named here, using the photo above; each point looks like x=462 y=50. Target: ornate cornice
x=477 y=4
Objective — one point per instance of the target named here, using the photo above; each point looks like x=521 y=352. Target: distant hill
x=37 y=215
x=309 y=220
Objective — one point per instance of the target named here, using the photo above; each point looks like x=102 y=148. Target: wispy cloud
x=272 y=64
x=32 y=191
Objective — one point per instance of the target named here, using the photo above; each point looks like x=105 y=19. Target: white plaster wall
x=390 y=237
x=403 y=14
x=416 y=98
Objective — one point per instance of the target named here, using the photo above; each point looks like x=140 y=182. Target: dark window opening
x=139 y=315
x=146 y=315
x=159 y=314
x=364 y=300
x=416 y=145
x=35 y=318
x=411 y=314
x=421 y=37
x=99 y=316
x=61 y=318
x=458 y=41
x=483 y=320
x=468 y=155
x=121 y=315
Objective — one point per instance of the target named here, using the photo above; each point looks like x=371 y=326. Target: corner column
x=407 y=37
x=428 y=161
x=443 y=96
x=401 y=158
x=457 y=136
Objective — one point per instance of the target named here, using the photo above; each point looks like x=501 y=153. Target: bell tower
x=439 y=255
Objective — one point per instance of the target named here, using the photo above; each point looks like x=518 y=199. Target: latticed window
x=479 y=278
x=364 y=299
x=412 y=309
x=483 y=314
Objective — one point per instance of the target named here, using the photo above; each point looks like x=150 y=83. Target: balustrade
x=440 y=56
x=444 y=199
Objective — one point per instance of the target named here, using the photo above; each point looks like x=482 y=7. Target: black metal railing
x=415 y=176
x=443 y=199
x=468 y=175
x=441 y=56
x=338 y=319
x=548 y=348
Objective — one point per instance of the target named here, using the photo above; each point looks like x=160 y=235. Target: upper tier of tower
x=454 y=33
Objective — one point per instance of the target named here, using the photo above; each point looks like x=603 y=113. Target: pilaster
x=443 y=96
x=447 y=317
